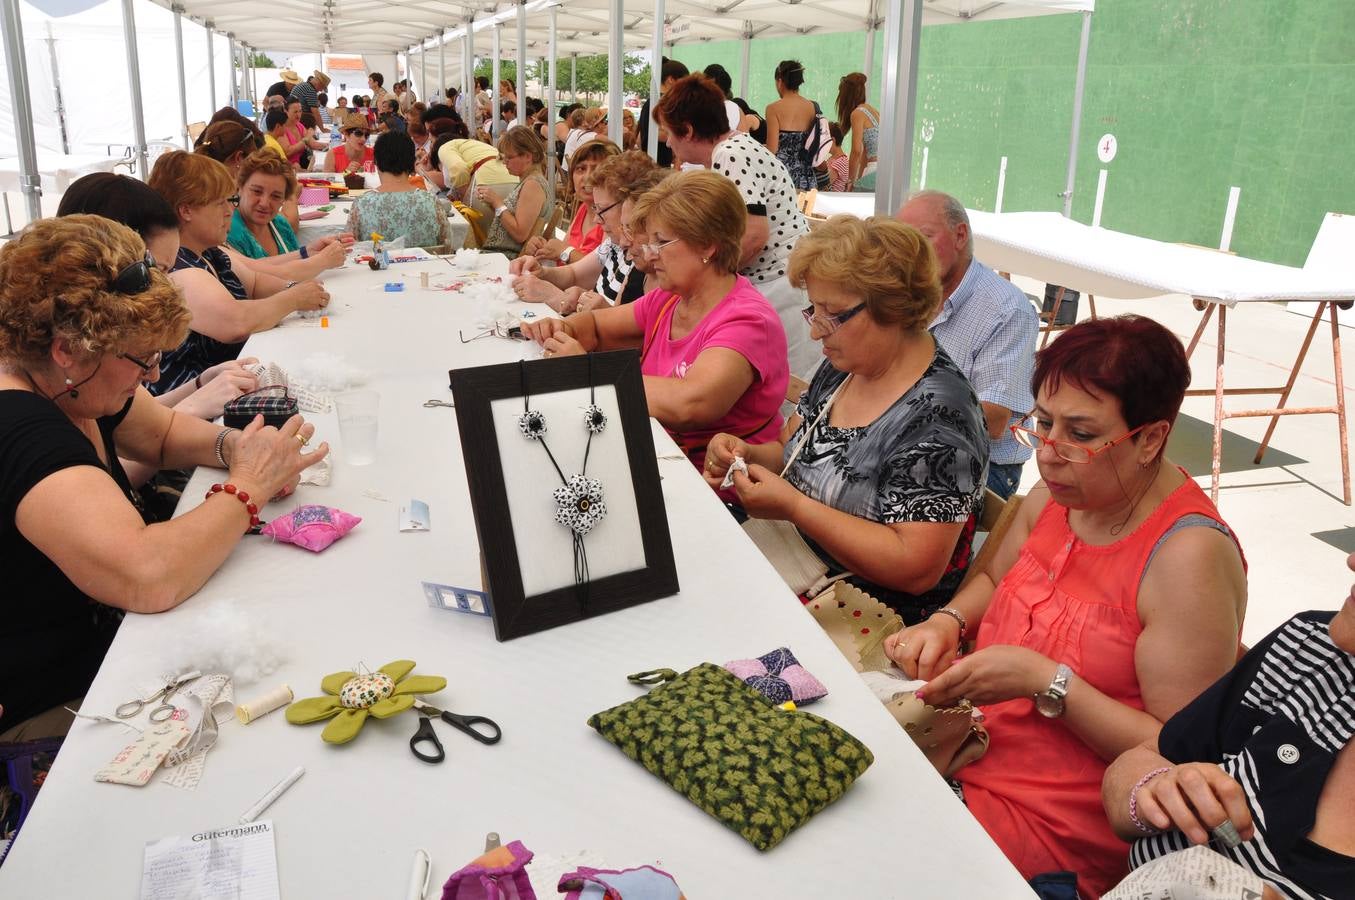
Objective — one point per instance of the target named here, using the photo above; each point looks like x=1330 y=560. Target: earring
x=704 y=260
x=75 y=394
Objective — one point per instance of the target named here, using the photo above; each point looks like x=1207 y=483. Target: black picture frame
x=474 y=390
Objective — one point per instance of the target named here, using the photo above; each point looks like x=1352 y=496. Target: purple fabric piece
x=779 y=677
x=480 y=882
x=640 y=883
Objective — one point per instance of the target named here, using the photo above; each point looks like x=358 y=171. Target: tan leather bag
x=950 y=737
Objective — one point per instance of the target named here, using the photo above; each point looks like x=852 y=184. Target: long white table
x=350 y=826
x=1099 y=261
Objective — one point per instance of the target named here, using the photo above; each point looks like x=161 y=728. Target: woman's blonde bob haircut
x=888 y=264
x=266 y=162
x=55 y=282
x=520 y=140
x=702 y=209
x=190 y=179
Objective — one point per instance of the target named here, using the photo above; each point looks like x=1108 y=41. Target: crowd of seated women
x=1100 y=640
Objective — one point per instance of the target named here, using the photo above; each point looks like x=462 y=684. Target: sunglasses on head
x=135 y=278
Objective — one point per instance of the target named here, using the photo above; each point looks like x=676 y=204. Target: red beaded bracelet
x=240 y=495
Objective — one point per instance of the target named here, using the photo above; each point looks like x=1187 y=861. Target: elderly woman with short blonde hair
x=713 y=353
x=85 y=315
x=881 y=467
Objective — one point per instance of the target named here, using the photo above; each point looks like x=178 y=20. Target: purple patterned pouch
x=779 y=677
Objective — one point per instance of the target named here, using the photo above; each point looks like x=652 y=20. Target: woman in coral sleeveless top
x=1116 y=597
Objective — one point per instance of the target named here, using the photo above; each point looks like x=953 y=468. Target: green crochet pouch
x=761 y=770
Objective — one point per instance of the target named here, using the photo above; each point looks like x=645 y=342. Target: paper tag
x=455 y=599
x=138 y=760
x=414 y=517
x=238 y=861
x=738 y=465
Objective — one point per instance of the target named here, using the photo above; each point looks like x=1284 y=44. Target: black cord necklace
x=579 y=505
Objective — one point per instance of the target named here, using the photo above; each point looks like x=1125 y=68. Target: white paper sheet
x=238 y=862
x=1194 y=874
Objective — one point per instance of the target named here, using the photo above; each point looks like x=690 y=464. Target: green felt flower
x=347 y=691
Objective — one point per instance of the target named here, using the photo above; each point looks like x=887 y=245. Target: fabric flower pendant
x=579 y=505
x=532 y=424
x=594 y=419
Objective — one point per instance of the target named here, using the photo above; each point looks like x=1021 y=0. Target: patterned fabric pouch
x=761 y=770
x=276 y=404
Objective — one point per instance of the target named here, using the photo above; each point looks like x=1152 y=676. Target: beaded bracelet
x=221 y=446
x=240 y=495
x=956 y=615
x=1134 y=801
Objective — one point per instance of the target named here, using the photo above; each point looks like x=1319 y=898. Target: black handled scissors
x=489 y=733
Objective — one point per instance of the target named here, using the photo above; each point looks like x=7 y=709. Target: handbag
x=274 y=402
x=799 y=566
x=761 y=770
x=949 y=736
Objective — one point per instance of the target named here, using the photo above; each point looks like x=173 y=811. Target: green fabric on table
x=761 y=770
x=240 y=239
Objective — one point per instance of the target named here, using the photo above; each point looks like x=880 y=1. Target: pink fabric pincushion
x=312 y=527
x=779 y=677
x=314 y=196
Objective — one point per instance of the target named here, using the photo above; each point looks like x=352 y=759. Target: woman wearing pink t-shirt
x=713 y=351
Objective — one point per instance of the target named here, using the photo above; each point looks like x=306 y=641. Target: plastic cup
x=358 y=418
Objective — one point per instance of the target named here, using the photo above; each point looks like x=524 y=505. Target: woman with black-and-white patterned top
x=1267 y=750
x=693 y=113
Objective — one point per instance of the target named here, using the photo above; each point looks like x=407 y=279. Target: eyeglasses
x=358 y=131
x=1067 y=450
x=134 y=279
x=653 y=249
x=608 y=208
x=144 y=365
x=233 y=200
x=830 y=322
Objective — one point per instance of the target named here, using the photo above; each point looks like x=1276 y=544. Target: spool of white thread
x=262 y=706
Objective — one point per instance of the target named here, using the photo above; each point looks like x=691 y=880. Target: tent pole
x=468 y=75
x=522 y=62
x=1076 y=129
x=574 y=76
x=234 y=49
x=211 y=67
x=30 y=183
x=655 y=79
x=496 y=72
x=615 y=57
x=178 y=59
x=134 y=77
x=903 y=30
x=745 y=58
x=442 y=70
x=56 y=85
x=550 y=114
x=871 y=24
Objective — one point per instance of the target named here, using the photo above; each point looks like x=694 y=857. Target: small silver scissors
x=432 y=403
x=166 y=709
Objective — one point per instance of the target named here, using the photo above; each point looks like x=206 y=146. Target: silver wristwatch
x=1050 y=701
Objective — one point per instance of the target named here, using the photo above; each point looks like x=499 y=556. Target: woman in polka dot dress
x=693 y=113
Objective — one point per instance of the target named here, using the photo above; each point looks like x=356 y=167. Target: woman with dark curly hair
x=84 y=318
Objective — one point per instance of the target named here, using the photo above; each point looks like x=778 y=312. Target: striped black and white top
x=1275 y=724
x=618 y=281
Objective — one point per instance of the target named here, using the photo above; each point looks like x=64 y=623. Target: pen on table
x=419 y=875
x=267 y=799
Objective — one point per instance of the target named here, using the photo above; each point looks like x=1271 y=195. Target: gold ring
x=304 y=440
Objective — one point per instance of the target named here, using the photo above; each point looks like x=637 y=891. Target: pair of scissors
x=432 y=403
x=166 y=709
x=461 y=723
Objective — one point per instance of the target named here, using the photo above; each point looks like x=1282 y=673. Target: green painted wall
x=1200 y=94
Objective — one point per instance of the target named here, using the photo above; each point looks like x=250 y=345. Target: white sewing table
x=1101 y=262
x=350 y=826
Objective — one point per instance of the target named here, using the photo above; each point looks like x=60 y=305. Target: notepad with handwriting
x=238 y=862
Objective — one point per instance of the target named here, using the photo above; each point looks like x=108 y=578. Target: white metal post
x=211 y=66
x=1076 y=128
x=872 y=22
x=442 y=71
x=550 y=114
x=745 y=58
x=574 y=77
x=1229 y=218
x=56 y=86
x=183 y=88
x=615 y=57
x=496 y=122
x=903 y=29
x=522 y=62
x=134 y=77
x=21 y=104
x=233 y=51
x=468 y=77
x=1001 y=184
x=655 y=80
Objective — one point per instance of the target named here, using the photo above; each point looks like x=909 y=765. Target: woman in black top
x=1267 y=748
x=84 y=318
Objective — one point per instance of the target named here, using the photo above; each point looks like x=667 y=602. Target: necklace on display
x=579 y=504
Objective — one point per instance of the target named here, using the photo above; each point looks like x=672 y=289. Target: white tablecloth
x=350 y=826
x=57 y=171
x=1106 y=263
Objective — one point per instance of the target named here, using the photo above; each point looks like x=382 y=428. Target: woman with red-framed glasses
x=1116 y=597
